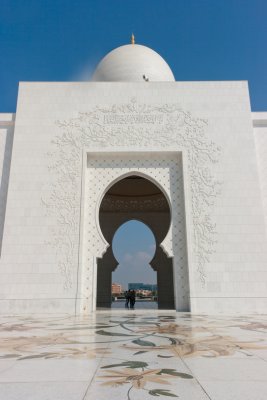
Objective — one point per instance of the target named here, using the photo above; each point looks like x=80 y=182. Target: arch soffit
x=122 y=176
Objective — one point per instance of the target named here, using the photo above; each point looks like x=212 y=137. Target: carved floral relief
x=125 y=127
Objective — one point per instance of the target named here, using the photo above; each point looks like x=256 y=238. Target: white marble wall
x=7 y=122
x=35 y=276
x=260 y=134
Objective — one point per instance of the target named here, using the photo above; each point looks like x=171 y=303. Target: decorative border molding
x=103 y=171
x=131 y=126
x=147 y=203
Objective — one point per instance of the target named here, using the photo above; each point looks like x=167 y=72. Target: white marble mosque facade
x=69 y=142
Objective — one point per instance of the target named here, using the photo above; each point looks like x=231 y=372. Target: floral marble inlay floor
x=133 y=355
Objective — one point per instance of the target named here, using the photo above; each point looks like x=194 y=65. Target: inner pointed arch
x=134 y=196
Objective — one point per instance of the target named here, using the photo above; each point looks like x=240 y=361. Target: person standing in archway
x=132 y=299
x=127 y=298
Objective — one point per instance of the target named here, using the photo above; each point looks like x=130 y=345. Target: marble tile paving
x=133 y=355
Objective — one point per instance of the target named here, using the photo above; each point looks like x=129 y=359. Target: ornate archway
x=135 y=197
x=103 y=171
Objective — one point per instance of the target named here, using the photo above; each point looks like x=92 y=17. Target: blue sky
x=62 y=40
x=134 y=247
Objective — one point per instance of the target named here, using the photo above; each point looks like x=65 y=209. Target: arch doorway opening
x=134 y=247
x=135 y=198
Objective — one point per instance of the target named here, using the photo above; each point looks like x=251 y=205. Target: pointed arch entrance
x=102 y=171
x=135 y=197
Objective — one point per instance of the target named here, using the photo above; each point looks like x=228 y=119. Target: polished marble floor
x=133 y=355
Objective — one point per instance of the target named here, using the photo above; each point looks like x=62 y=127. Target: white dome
x=133 y=63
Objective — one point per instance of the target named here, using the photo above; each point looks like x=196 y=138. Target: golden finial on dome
x=133 y=39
